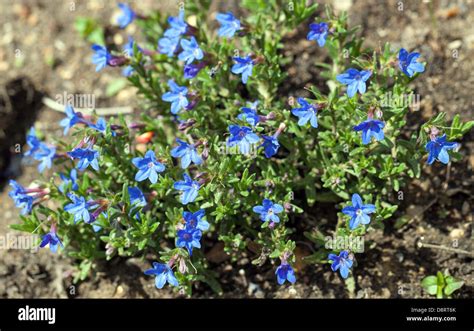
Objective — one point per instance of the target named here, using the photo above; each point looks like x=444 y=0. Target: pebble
x=360 y=294
x=456 y=233
x=118 y=39
x=382 y=33
x=260 y=295
x=465 y=208
x=244 y=261
x=119 y=291
x=342 y=5
x=455 y=44
x=252 y=288
x=385 y=293
x=292 y=291
x=400 y=257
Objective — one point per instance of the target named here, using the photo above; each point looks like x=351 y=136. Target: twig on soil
x=87 y=111
x=421 y=244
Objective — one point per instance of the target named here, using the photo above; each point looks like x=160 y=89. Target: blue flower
x=127 y=16
x=20 y=197
x=127 y=71
x=46 y=155
x=25 y=202
x=163 y=274
x=187 y=153
x=33 y=142
x=168 y=46
x=40 y=151
x=191 y=70
x=308 y=112
x=189 y=238
x=17 y=190
x=191 y=51
x=229 y=24
x=355 y=80
x=100 y=125
x=438 y=149
x=371 y=128
x=243 y=66
x=72 y=118
x=137 y=201
x=408 y=63
x=52 y=239
x=318 y=32
x=249 y=114
x=358 y=212
x=342 y=262
x=137 y=198
x=268 y=211
x=177 y=96
x=189 y=187
x=79 y=208
x=195 y=220
x=285 y=273
x=178 y=26
x=72 y=179
x=101 y=57
x=86 y=156
x=243 y=137
x=128 y=47
x=96 y=228
x=148 y=167
x=270 y=145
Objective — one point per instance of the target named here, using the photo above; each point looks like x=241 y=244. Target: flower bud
x=182 y=267
x=144 y=137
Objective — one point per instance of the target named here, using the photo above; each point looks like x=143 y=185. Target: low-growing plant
x=220 y=152
x=441 y=285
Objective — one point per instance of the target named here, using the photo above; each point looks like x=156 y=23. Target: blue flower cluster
x=190 y=236
x=356 y=82
x=180 y=39
x=73 y=118
x=86 y=155
x=25 y=198
x=40 y=151
x=359 y=215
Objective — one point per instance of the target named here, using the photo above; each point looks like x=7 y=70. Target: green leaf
x=452 y=285
x=430 y=284
x=115 y=86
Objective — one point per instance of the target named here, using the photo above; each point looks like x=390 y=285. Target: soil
x=439 y=204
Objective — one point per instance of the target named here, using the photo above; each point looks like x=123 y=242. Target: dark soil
x=439 y=204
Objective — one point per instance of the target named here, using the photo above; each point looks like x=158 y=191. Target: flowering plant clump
x=221 y=153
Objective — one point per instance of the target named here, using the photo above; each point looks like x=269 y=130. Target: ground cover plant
x=218 y=154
